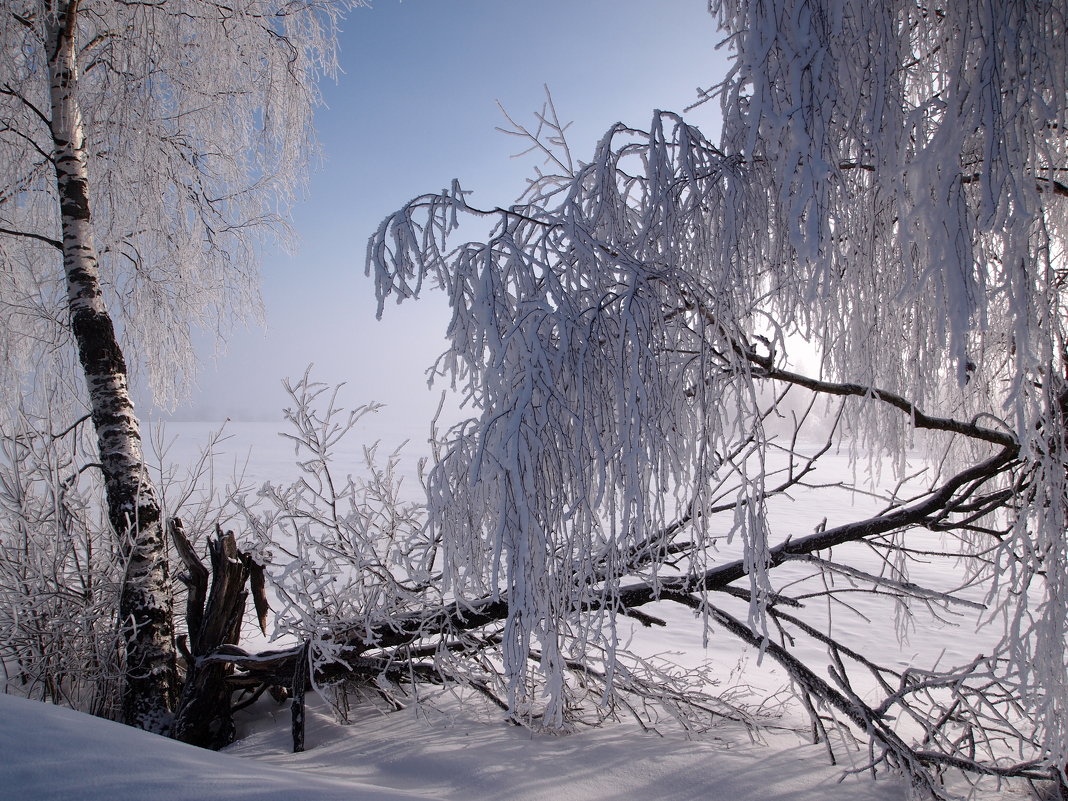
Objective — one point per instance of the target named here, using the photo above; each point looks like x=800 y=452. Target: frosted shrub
x=344 y=553
x=59 y=572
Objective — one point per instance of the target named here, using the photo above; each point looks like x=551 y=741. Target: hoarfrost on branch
x=889 y=187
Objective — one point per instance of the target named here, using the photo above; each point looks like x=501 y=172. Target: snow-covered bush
x=60 y=570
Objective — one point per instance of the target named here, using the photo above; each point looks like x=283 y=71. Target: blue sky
x=414 y=109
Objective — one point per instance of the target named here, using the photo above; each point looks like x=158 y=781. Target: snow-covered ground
x=454 y=749
x=48 y=753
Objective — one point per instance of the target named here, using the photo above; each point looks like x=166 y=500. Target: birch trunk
x=145 y=606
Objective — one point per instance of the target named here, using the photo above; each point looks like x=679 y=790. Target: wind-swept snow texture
x=51 y=753
x=54 y=753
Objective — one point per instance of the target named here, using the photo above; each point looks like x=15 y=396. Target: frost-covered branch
x=619 y=331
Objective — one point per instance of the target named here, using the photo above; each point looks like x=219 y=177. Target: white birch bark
x=146 y=605
x=185 y=128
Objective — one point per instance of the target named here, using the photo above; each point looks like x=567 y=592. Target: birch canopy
x=890 y=185
x=145 y=149
x=196 y=120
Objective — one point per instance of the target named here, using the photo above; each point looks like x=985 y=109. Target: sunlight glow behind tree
x=890 y=186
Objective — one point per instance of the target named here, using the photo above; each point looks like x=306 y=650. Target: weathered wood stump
x=204 y=716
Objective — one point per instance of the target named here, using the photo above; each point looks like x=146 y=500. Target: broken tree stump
x=213 y=614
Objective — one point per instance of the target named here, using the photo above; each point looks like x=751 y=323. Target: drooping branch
x=917 y=514
x=916 y=763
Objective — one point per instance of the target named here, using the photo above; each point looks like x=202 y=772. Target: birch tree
x=889 y=186
x=146 y=150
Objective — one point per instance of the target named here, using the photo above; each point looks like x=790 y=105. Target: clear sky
x=415 y=108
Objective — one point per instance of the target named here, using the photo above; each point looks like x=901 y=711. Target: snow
x=458 y=748
x=55 y=753
x=452 y=753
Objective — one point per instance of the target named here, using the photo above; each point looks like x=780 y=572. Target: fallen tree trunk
x=429 y=643
x=366 y=654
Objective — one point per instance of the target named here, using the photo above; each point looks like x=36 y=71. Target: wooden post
x=300 y=682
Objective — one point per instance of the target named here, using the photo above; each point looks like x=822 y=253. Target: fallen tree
x=414 y=634
x=623 y=336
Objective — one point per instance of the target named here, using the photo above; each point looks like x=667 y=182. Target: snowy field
x=452 y=748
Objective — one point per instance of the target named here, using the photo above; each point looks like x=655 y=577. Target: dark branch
x=919 y=419
x=39 y=237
